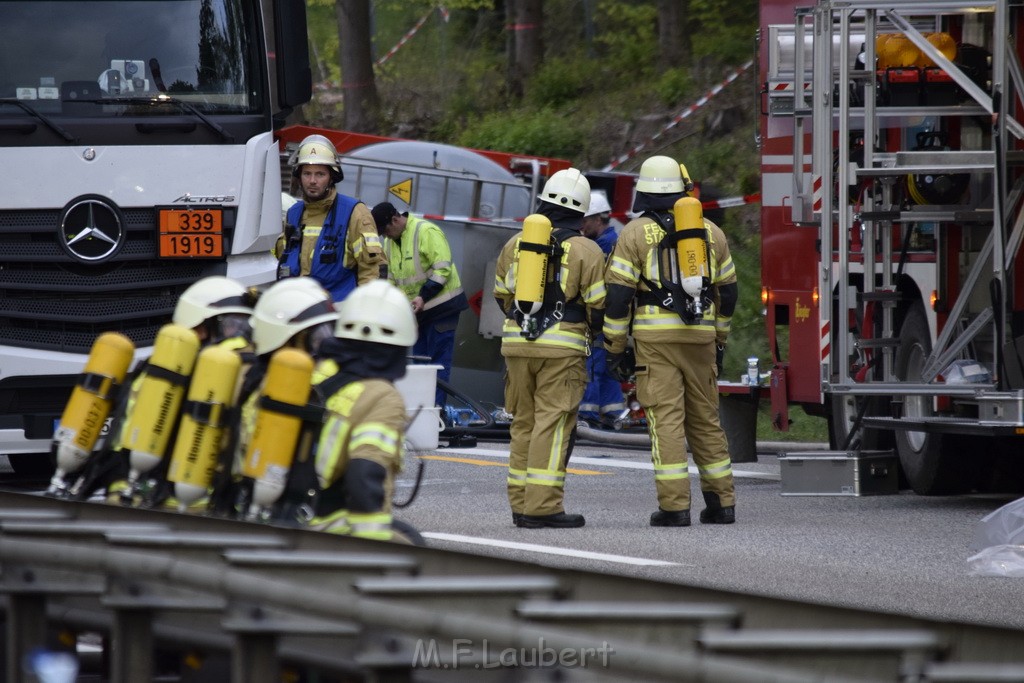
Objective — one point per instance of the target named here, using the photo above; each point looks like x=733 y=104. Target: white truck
x=137 y=155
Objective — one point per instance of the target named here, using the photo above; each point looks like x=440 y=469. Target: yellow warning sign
x=402 y=190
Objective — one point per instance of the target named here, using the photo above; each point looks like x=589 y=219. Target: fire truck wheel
x=929 y=460
x=844 y=409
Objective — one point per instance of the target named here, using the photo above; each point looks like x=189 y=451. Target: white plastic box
x=418 y=389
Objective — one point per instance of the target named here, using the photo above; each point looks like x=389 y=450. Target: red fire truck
x=892 y=221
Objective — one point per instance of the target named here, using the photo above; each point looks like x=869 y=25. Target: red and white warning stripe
x=684 y=114
x=816 y=194
x=826 y=340
x=711 y=204
x=467 y=219
x=732 y=201
x=410 y=33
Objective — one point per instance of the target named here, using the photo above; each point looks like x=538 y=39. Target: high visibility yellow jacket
x=636 y=253
x=581 y=278
x=420 y=264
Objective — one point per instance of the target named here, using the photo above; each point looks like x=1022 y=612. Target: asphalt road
x=898 y=553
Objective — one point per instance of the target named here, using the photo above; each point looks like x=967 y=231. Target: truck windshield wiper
x=68 y=137
x=158 y=81
x=164 y=98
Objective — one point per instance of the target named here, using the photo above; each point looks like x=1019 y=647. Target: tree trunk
x=528 y=41
x=675 y=47
x=362 y=104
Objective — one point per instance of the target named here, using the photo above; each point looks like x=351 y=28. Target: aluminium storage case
x=838 y=473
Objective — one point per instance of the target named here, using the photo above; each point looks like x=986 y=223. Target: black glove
x=719 y=356
x=616 y=367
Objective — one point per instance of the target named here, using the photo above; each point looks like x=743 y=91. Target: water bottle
x=753 y=371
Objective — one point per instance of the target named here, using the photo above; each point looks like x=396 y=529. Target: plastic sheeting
x=999 y=542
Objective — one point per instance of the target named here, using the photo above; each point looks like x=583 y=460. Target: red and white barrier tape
x=466 y=219
x=410 y=33
x=726 y=203
x=684 y=114
x=732 y=201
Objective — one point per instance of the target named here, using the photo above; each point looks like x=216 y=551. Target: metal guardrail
x=268 y=597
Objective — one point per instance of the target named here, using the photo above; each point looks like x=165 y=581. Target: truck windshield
x=99 y=58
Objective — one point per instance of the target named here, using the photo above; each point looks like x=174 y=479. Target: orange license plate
x=191 y=233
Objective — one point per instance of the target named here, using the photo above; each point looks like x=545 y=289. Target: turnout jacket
x=635 y=255
x=334 y=241
x=581 y=279
x=364 y=420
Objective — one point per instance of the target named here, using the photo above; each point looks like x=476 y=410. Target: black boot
x=670 y=518
x=559 y=520
x=516 y=516
x=715 y=512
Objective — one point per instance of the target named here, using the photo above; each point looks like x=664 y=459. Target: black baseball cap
x=382 y=214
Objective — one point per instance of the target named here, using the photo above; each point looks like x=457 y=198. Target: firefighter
x=328 y=236
x=217 y=310
x=360 y=446
x=294 y=313
x=420 y=264
x=549 y=282
x=603 y=402
x=679 y=340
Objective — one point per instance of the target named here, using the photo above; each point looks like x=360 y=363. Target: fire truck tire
x=930 y=461
x=843 y=410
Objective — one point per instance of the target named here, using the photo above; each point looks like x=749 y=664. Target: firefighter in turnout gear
x=328 y=236
x=680 y=326
x=420 y=264
x=549 y=282
x=360 y=448
x=602 y=401
x=296 y=313
x=217 y=310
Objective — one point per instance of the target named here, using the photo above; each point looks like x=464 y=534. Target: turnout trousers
x=543 y=395
x=677 y=385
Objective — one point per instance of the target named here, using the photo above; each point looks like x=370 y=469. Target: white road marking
x=534 y=548
x=613 y=463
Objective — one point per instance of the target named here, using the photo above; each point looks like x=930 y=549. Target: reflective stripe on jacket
x=636 y=253
x=422 y=255
x=340 y=254
x=581 y=278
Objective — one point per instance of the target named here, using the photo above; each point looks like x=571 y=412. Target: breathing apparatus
x=90 y=403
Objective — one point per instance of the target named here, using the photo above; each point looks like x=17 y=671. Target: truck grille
x=50 y=301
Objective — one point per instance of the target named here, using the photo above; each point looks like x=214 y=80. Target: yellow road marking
x=491 y=463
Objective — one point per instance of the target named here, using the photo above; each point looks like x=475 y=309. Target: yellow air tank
x=91 y=400
x=200 y=432
x=276 y=434
x=532 y=268
x=691 y=251
x=161 y=390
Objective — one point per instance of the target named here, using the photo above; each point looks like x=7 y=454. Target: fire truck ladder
x=841 y=100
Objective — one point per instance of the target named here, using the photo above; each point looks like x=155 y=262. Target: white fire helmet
x=377 y=312
x=568 y=188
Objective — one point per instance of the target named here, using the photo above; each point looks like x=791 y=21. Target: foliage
x=629 y=39
x=673 y=86
x=727 y=29
x=543 y=133
x=559 y=83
